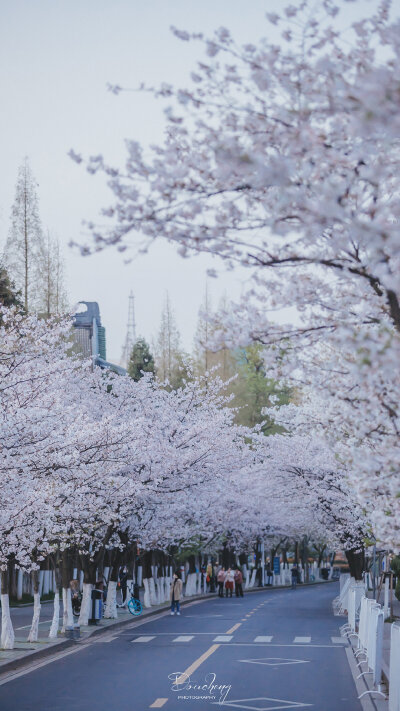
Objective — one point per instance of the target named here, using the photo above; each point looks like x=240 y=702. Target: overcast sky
x=56 y=58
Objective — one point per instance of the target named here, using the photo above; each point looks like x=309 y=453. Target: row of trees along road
x=32 y=255
x=92 y=464
x=283 y=157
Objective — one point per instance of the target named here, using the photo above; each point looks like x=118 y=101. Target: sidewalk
x=26 y=653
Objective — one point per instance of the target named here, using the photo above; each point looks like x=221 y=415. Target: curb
x=53 y=650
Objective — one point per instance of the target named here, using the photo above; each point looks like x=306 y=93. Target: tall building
x=90 y=335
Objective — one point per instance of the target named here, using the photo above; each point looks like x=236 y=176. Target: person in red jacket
x=238 y=577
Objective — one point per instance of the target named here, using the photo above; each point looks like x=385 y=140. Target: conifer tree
x=141 y=360
x=25 y=239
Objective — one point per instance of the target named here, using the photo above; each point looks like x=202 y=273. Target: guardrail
x=370 y=639
x=340 y=602
x=394 y=674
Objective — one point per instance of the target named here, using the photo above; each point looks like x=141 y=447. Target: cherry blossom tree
x=283 y=157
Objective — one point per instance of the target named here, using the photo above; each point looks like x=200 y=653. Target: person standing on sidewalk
x=175 y=593
x=295 y=577
x=229 y=579
x=238 y=577
x=220 y=581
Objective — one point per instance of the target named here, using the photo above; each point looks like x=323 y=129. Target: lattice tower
x=130 y=338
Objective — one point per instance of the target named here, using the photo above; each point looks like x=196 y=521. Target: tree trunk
x=89 y=580
x=110 y=611
x=356 y=560
x=147 y=577
x=34 y=631
x=7 y=631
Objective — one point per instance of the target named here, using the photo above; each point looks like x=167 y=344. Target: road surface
x=273 y=649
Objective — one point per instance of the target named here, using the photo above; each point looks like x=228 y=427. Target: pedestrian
x=238 y=577
x=123 y=582
x=229 y=580
x=269 y=575
x=209 y=573
x=220 y=581
x=175 y=593
x=295 y=577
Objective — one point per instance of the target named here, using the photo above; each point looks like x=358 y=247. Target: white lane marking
x=143 y=639
x=307 y=646
x=183 y=638
x=274 y=661
x=37 y=665
x=43 y=622
x=283 y=704
x=168 y=634
x=302 y=640
x=158 y=703
x=105 y=639
x=339 y=640
x=223 y=638
x=262 y=638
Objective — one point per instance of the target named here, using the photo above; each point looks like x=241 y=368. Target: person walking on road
x=295 y=577
x=220 y=581
x=238 y=577
x=229 y=580
x=175 y=593
x=270 y=574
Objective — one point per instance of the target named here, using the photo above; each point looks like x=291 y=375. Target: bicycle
x=134 y=605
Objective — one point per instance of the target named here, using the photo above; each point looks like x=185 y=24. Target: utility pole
x=130 y=338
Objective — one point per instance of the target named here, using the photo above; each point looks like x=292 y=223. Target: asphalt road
x=22 y=619
x=270 y=650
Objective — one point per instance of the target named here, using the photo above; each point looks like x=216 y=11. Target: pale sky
x=56 y=57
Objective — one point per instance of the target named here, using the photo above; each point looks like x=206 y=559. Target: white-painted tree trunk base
x=46 y=582
x=147 y=600
x=246 y=585
x=68 y=618
x=55 y=623
x=7 y=630
x=85 y=605
x=191 y=584
x=110 y=610
x=20 y=581
x=253 y=578
x=34 y=631
x=153 y=596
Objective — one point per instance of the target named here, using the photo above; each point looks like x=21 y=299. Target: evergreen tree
x=141 y=360
x=8 y=293
x=24 y=243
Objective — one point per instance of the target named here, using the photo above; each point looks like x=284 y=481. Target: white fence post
x=386 y=599
x=374 y=646
x=394 y=675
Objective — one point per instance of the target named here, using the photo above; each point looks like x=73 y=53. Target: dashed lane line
x=158 y=703
x=302 y=640
x=263 y=638
x=223 y=638
x=183 y=638
x=197 y=663
x=143 y=639
x=234 y=628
